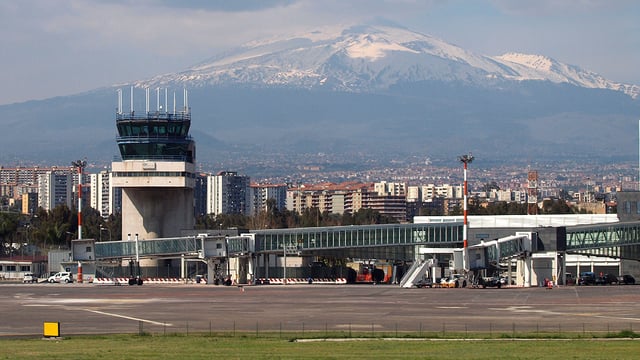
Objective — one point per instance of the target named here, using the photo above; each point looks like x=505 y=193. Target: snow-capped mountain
x=363 y=92
x=374 y=58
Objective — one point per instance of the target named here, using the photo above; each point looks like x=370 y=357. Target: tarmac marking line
x=530 y=309
x=127 y=317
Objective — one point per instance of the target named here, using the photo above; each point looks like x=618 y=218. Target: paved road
x=85 y=308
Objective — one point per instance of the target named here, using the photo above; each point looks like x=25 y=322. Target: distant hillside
x=381 y=91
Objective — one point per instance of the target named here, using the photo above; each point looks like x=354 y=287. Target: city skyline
x=82 y=53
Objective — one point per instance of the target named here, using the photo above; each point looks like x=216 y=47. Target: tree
x=556 y=206
x=8 y=227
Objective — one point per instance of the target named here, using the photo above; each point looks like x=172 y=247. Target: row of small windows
x=14 y=267
x=154 y=174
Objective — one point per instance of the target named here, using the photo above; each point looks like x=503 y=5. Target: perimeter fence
x=428 y=330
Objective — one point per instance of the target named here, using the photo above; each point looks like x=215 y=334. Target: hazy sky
x=53 y=48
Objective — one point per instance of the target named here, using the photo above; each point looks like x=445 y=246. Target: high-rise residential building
x=228 y=193
x=15 y=181
x=55 y=188
x=104 y=197
x=200 y=195
x=262 y=193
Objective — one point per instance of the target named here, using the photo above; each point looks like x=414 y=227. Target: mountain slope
x=373 y=58
x=362 y=95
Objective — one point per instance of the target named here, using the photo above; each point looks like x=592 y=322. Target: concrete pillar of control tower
x=156 y=212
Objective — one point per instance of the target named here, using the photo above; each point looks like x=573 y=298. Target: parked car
x=29 y=278
x=606 y=279
x=626 y=280
x=59 y=277
x=587 y=278
x=570 y=280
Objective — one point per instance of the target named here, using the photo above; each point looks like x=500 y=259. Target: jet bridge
x=489 y=254
x=486 y=255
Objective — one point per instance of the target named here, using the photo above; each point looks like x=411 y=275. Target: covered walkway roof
x=606 y=239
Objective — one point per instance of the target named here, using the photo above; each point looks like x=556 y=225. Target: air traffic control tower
x=157 y=171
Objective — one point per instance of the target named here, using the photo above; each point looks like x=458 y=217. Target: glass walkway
x=298 y=240
x=620 y=240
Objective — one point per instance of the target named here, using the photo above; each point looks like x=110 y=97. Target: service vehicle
x=454 y=281
x=491 y=281
x=370 y=272
x=61 y=277
x=29 y=278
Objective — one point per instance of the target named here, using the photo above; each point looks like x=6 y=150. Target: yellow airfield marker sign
x=51 y=329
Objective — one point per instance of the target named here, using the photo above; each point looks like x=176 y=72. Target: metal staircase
x=416 y=271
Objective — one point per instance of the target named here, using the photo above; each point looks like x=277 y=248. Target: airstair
x=416 y=271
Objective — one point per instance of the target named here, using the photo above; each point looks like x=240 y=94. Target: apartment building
x=348 y=197
x=15 y=181
x=228 y=193
x=29 y=203
x=330 y=197
x=260 y=194
x=55 y=188
x=390 y=188
x=104 y=197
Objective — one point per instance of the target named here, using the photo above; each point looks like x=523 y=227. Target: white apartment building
x=228 y=193
x=104 y=197
x=55 y=188
x=384 y=188
x=427 y=192
x=414 y=193
x=518 y=196
x=261 y=193
x=430 y=191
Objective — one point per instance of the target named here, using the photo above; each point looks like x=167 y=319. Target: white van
x=63 y=276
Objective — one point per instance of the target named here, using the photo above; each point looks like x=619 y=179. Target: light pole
x=80 y=165
x=465 y=159
x=284 y=269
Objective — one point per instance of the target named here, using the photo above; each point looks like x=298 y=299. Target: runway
x=91 y=309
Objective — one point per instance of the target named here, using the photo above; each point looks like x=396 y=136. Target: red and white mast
x=465 y=159
x=80 y=165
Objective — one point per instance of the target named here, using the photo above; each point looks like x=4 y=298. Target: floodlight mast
x=465 y=159
x=80 y=165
